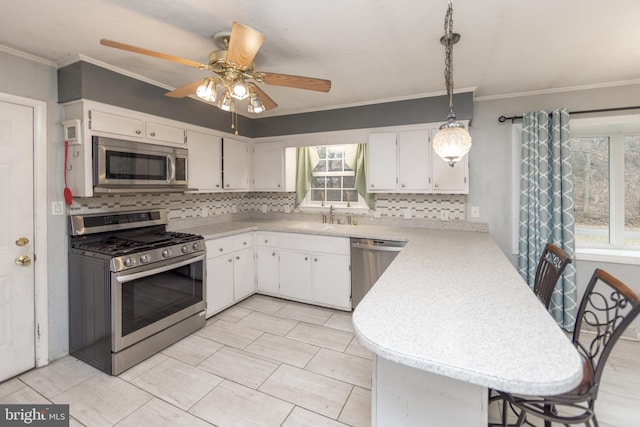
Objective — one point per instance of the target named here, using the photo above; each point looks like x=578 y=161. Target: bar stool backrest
x=552 y=263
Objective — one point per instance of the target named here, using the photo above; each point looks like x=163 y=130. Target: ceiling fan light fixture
x=452 y=141
x=239 y=90
x=207 y=90
x=225 y=102
x=255 y=104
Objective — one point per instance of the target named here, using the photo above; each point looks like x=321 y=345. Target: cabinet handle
x=221 y=249
x=237 y=257
x=244 y=243
x=371 y=185
x=217 y=185
x=278 y=185
x=273 y=254
x=306 y=258
x=138 y=132
x=315 y=259
x=402 y=185
x=153 y=134
x=436 y=185
x=266 y=240
x=230 y=259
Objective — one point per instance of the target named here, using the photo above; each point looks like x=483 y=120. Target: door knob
x=23 y=260
x=23 y=241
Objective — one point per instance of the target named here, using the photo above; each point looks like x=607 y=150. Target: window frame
x=355 y=205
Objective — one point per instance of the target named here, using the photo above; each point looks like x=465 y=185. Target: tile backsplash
x=217 y=207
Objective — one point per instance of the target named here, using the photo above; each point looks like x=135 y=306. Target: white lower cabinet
x=307 y=268
x=230 y=271
x=332 y=280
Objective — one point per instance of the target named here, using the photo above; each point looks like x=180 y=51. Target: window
x=606 y=168
x=334 y=180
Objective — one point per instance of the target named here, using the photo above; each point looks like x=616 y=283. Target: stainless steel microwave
x=129 y=166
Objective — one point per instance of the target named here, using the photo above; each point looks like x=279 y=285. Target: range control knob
x=196 y=246
x=128 y=262
x=166 y=253
x=144 y=259
x=184 y=249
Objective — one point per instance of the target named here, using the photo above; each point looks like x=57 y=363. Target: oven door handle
x=146 y=273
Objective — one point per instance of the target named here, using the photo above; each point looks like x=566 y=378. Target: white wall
x=38 y=80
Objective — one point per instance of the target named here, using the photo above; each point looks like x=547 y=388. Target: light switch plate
x=444 y=215
x=407 y=213
x=475 y=211
x=264 y=208
x=57 y=208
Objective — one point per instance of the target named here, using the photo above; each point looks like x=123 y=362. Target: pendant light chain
x=448 y=61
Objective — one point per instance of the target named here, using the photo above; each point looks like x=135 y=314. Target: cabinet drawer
x=221 y=246
x=270 y=240
x=243 y=241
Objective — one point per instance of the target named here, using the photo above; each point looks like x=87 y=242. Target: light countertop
x=451 y=303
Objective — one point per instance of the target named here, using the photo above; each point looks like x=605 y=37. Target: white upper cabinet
x=413 y=161
x=447 y=179
x=381 y=162
x=273 y=167
x=100 y=121
x=410 y=166
x=133 y=126
x=236 y=164
x=205 y=161
x=164 y=133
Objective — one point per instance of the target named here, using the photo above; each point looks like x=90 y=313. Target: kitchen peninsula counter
x=447 y=320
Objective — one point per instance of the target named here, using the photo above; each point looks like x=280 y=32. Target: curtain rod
x=513 y=119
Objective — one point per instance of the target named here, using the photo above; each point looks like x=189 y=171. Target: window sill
x=615 y=256
x=336 y=209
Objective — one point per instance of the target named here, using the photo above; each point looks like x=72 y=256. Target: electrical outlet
x=407 y=213
x=475 y=212
x=444 y=215
x=264 y=208
x=57 y=208
x=376 y=214
x=234 y=209
x=287 y=208
x=205 y=212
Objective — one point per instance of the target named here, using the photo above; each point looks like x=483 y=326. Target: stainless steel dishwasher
x=369 y=259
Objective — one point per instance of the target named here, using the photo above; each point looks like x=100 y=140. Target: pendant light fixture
x=452 y=141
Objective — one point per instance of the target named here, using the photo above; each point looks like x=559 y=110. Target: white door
x=244 y=277
x=332 y=280
x=413 y=160
x=17 y=316
x=381 y=162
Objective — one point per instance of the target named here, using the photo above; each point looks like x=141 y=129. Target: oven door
x=150 y=299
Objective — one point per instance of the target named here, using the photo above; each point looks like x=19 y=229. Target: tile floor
x=263 y=362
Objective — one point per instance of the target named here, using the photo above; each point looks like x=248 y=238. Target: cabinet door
x=268 y=270
x=295 y=275
x=268 y=166
x=381 y=162
x=100 y=121
x=235 y=164
x=447 y=179
x=244 y=273
x=205 y=161
x=413 y=160
x=332 y=280
x=164 y=133
x=219 y=283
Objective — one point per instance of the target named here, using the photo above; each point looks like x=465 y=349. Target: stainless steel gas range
x=134 y=287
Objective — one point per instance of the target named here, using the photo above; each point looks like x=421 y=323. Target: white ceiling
x=371 y=50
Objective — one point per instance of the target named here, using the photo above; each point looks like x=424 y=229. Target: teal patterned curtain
x=546 y=204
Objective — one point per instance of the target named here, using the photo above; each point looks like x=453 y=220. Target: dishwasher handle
x=377 y=248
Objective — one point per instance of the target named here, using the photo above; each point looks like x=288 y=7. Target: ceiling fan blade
x=298 y=82
x=244 y=43
x=266 y=100
x=135 y=49
x=183 y=91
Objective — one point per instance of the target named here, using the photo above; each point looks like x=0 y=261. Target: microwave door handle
x=171 y=170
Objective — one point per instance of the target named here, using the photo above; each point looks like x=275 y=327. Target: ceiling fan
x=235 y=74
